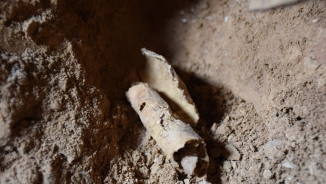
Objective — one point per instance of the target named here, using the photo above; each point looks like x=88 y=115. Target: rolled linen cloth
x=177 y=139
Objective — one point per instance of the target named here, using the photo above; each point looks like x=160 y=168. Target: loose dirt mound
x=257 y=78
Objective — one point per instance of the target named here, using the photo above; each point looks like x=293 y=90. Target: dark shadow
x=208 y=99
x=107 y=37
x=21 y=11
x=211 y=103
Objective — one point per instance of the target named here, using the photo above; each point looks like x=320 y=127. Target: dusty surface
x=258 y=79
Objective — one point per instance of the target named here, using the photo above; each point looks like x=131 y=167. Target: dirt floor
x=257 y=78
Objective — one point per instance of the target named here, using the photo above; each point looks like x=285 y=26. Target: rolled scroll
x=161 y=76
x=177 y=139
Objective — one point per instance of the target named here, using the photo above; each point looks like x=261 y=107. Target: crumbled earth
x=257 y=78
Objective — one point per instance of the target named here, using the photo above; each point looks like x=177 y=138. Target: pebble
x=227 y=166
x=288 y=164
x=187 y=181
x=267 y=174
x=231 y=153
x=226 y=18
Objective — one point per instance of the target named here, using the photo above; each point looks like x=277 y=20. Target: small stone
x=226 y=18
x=267 y=174
x=223 y=130
x=159 y=159
x=271 y=149
x=187 y=181
x=214 y=127
x=234 y=164
x=155 y=168
x=227 y=166
x=204 y=182
x=189 y=164
x=288 y=164
x=144 y=171
x=231 y=153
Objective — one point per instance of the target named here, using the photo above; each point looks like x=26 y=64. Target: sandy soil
x=257 y=78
